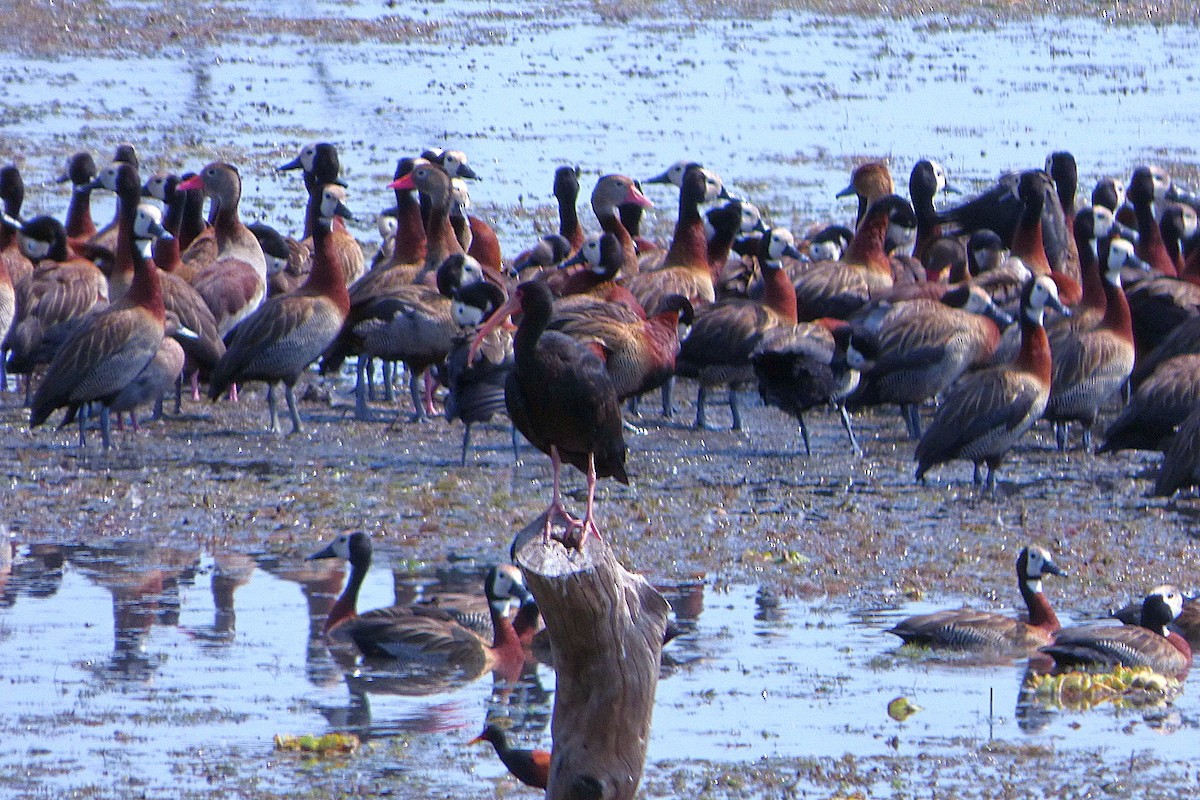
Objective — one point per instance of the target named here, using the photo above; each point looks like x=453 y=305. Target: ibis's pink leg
x=196 y=386
x=588 y=526
x=556 y=509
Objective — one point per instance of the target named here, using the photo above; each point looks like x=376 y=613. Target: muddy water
x=214 y=654
x=128 y=673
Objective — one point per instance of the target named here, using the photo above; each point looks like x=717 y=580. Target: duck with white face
x=985 y=412
x=1149 y=644
x=968 y=629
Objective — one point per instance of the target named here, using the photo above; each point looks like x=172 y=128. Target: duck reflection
x=231 y=570
x=35 y=572
x=143 y=579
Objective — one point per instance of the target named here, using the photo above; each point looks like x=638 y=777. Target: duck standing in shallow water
x=562 y=400
x=986 y=412
x=967 y=629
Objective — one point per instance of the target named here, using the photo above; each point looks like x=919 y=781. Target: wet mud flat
x=830 y=535
x=837 y=539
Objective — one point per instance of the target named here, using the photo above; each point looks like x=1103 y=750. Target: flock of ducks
x=1017 y=305
x=911 y=306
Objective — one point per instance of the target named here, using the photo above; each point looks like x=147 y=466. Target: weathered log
x=606 y=628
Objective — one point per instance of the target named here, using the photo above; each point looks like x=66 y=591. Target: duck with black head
x=685 y=269
x=1149 y=644
x=425 y=633
x=62 y=289
x=13 y=262
x=320 y=167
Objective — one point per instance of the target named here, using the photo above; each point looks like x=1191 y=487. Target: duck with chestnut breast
x=110 y=348
x=717 y=349
x=408 y=240
x=424 y=633
x=476 y=390
x=80 y=172
x=319 y=165
x=1149 y=644
x=685 y=269
x=920 y=347
x=1036 y=190
x=864 y=272
x=290 y=331
x=927 y=178
x=101 y=247
x=985 y=412
x=12 y=196
x=968 y=629
x=530 y=767
x=869 y=182
x=561 y=398
x=163 y=372
x=234 y=284
x=62 y=289
x=476 y=236
x=1088 y=367
x=203 y=346
x=1162 y=302
x=807 y=365
x=1000 y=207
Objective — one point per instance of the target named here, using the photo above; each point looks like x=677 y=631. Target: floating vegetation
x=1124 y=687
x=331 y=744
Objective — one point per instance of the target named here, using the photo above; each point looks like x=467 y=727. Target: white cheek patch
x=1035 y=585
x=825 y=251
x=33 y=249
x=275 y=264
x=466 y=315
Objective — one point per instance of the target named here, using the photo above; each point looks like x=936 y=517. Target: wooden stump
x=606 y=629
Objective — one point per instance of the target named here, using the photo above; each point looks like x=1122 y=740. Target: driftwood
x=606 y=629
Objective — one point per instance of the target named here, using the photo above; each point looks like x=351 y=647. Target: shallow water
x=201 y=652
x=188 y=696
x=781 y=107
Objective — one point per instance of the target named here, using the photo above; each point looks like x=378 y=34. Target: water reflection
x=34 y=573
x=143 y=579
x=236 y=642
